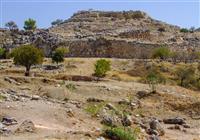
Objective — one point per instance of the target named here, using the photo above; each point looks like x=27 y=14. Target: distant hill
x=126 y=34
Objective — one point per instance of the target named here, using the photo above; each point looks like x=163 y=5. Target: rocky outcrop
x=41 y=38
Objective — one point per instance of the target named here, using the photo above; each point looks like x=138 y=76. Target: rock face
x=128 y=34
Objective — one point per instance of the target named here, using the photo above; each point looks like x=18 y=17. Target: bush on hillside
x=184 y=30
x=101 y=67
x=161 y=53
x=153 y=78
x=59 y=54
x=120 y=133
x=30 y=24
x=185 y=76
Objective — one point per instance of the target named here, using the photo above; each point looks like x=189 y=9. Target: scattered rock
x=8 y=121
x=127 y=120
x=175 y=120
x=26 y=126
x=155 y=125
x=100 y=138
x=186 y=126
x=153 y=137
x=152 y=132
x=58 y=93
x=4 y=131
x=124 y=101
x=111 y=106
x=35 y=97
x=88 y=135
x=175 y=127
x=70 y=113
x=94 y=100
x=12 y=81
x=142 y=94
x=109 y=121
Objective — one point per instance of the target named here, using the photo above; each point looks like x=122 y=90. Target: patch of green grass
x=94 y=109
x=2 y=97
x=122 y=133
x=71 y=87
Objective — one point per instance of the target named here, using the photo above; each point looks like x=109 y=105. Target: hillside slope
x=127 y=34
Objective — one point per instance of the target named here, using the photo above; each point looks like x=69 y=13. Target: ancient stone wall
x=109 y=48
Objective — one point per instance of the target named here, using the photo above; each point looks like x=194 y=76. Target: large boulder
x=156 y=128
x=58 y=93
x=26 y=126
x=176 y=120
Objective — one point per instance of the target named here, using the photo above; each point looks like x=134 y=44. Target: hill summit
x=122 y=34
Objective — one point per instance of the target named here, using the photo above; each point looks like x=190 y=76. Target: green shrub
x=161 y=53
x=153 y=78
x=101 y=67
x=2 y=53
x=30 y=24
x=94 y=109
x=71 y=87
x=120 y=133
x=184 y=30
x=59 y=54
x=27 y=56
x=185 y=76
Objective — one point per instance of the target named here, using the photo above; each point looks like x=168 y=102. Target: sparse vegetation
x=153 y=78
x=27 y=56
x=59 y=54
x=186 y=76
x=101 y=67
x=184 y=30
x=161 y=53
x=30 y=24
x=2 y=53
x=120 y=133
x=71 y=87
x=94 y=109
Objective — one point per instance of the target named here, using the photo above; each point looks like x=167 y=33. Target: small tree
x=11 y=25
x=153 y=78
x=184 y=30
x=101 y=67
x=27 y=56
x=185 y=76
x=30 y=24
x=161 y=53
x=59 y=54
x=56 y=22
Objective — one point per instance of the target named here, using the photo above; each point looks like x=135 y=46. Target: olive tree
x=185 y=76
x=11 y=25
x=27 y=55
x=101 y=67
x=59 y=54
x=30 y=24
x=153 y=77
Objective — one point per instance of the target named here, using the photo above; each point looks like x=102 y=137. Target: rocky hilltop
x=127 y=34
